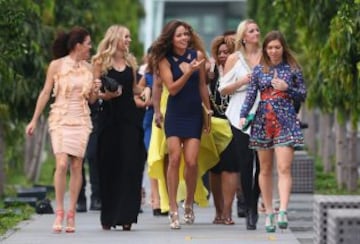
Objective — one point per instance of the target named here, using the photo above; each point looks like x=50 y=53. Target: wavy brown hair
x=163 y=44
x=288 y=56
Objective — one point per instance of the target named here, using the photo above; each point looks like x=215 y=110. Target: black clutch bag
x=109 y=84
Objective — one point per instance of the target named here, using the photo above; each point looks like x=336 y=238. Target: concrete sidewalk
x=152 y=229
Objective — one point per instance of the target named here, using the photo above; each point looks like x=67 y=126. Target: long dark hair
x=163 y=44
x=288 y=56
x=66 y=42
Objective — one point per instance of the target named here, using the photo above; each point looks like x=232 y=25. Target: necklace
x=219 y=102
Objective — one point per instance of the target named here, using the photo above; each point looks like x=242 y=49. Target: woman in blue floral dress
x=275 y=128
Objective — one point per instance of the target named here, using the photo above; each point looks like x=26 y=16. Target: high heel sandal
x=189 y=216
x=70 y=219
x=174 y=220
x=218 y=220
x=270 y=223
x=59 y=216
x=282 y=220
x=126 y=227
x=228 y=221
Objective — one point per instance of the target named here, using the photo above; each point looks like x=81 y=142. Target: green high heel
x=270 y=223
x=282 y=220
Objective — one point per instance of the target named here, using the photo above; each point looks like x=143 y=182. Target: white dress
x=239 y=70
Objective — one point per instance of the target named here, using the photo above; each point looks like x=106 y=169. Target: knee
x=174 y=161
x=76 y=167
x=284 y=171
x=191 y=165
x=266 y=169
x=61 y=167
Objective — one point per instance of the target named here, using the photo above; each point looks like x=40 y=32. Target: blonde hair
x=108 y=47
x=240 y=34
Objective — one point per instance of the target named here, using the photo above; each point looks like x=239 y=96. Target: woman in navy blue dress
x=275 y=129
x=180 y=56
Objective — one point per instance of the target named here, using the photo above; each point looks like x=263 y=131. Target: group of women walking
x=245 y=78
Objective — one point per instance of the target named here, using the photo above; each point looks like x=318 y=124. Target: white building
x=208 y=17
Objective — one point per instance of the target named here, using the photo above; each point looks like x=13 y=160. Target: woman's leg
x=229 y=185
x=215 y=186
x=75 y=180
x=191 y=152
x=284 y=158
x=74 y=188
x=60 y=179
x=60 y=186
x=155 y=197
x=265 y=178
x=174 y=150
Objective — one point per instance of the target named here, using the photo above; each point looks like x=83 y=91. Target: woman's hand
x=211 y=75
x=146 y=95
x=242 y=122
x=30 y=128
x=158 y=119
x=244 y=80
x=192 y=66
x=107 y=95
x=279 y=84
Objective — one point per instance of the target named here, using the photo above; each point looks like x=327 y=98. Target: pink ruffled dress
x=69 y=119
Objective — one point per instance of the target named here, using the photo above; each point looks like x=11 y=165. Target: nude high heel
x=70 y=222
x=59 y=216
x=189 y=216
x=174 y=220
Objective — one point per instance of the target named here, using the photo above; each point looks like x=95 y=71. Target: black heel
x=126 y=227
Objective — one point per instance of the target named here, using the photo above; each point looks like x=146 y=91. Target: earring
x=243 y=41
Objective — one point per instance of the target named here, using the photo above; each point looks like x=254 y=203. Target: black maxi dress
x=121 y=155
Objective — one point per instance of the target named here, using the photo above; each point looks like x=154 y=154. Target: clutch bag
x=248 y=121
x=206 y=117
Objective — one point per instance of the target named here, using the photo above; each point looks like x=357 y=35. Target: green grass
x=325 y=183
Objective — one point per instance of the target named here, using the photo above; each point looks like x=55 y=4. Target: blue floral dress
x=275 y=122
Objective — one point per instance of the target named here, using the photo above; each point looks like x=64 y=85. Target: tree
x=28 y=28
x=340 y=66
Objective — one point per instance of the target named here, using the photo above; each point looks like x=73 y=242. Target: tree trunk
x=326 y=143
x=2 y=158
x=34 y=148
x=352 y=174
x=340 y=151
x=310 y=133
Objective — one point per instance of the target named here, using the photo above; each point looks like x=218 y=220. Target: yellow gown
x=211 y=146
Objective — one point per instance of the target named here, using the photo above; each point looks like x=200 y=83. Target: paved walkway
x=152 y=229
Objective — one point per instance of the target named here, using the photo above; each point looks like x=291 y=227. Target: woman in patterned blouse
x=275 y=129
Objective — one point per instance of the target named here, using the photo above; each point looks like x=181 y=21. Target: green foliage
x=340 y=58
x=47 y=171
x=28 y=29
x=125 y=12
x=11 y=216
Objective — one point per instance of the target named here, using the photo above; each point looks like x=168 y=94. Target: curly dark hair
x=163 y=44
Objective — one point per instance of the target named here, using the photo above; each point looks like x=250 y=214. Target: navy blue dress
x=183 y=116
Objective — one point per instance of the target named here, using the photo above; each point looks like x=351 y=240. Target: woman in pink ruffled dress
x=70 y=78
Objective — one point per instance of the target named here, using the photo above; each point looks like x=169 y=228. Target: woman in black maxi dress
x=121 y=150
